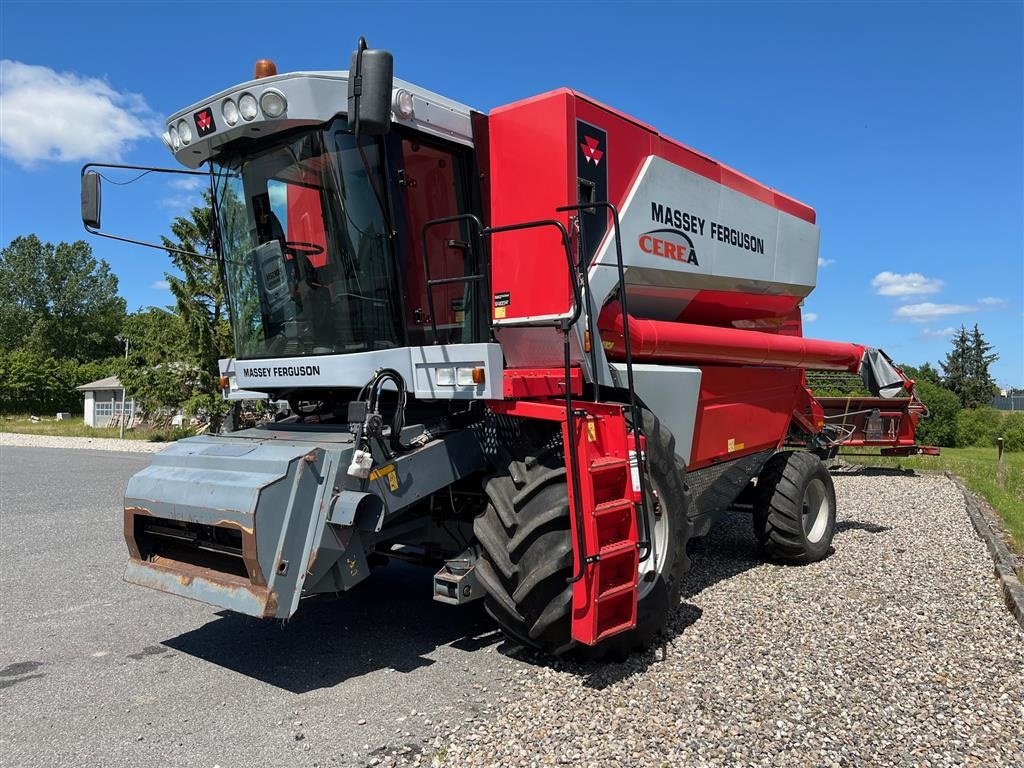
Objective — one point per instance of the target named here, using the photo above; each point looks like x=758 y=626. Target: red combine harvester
x=540 y=349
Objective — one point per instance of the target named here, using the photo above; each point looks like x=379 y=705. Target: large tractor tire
x=795 y=508
x=528 y=553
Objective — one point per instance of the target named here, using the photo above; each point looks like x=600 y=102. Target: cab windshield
x=307 y=262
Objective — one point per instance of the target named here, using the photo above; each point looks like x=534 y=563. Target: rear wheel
x=795 y=508
x=528 y=552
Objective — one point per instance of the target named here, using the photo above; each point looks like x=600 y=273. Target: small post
x=1001 y=466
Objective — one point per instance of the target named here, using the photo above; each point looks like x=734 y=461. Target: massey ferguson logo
x=591 y=150
x=669 y=244
x=204 y=122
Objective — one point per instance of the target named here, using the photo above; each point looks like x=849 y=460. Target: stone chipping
x=895 y=650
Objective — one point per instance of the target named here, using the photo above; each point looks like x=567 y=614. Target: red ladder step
x=605 y=599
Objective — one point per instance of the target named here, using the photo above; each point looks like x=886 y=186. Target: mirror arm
x=145 y=169
x=96 y=232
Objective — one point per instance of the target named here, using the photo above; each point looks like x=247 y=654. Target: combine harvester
x=539 y=349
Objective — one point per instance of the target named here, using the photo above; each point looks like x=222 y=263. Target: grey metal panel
x=426 y=360
x=788 y=266
x=415 y=364
x=671 y=393
x=313 y=98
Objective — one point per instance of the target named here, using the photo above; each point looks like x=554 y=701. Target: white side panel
x=671 y=393
x=355 y=370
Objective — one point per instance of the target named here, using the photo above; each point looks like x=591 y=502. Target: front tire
x=795 y=508
x=528 y=552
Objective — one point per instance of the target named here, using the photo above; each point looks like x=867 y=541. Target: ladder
x=606 y=499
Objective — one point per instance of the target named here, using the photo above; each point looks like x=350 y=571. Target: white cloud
x=825 y=262
x=911 y=284
x=992 y=301
x=927 y=311
x=810 y=317
x=941 y=333
x=161 y=285
x=188 y=183
x=61 y=116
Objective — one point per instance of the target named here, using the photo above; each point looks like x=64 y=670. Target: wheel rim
x=657 y=526
x=815 y=510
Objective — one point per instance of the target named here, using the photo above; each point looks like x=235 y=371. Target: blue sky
x=900 y=123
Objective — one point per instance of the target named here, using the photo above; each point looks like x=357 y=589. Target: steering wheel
x=300 y=248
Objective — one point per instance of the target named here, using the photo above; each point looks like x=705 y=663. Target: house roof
x=111 y=382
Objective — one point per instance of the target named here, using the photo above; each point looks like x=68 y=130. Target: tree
x=176 y=360
x=965 y=368
x=58 y=300
x=925 y=372
x=155 y=371
x=940 y=428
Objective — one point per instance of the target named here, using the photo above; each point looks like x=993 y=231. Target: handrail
x=484 y=275
x=623 y=303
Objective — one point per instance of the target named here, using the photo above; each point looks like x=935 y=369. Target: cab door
x=433 y=181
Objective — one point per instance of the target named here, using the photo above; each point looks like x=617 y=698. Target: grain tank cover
x=682 y=230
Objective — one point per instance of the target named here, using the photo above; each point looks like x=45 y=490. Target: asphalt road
x=97 y=672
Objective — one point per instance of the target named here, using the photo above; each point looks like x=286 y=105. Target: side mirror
x=91 y=200
x=370 y=80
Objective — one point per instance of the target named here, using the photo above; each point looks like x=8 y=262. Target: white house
x=103 y=400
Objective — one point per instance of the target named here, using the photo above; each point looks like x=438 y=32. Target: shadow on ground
x=390 y=622
x=856 y=469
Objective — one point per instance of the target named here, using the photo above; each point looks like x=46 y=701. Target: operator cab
x=311 y=266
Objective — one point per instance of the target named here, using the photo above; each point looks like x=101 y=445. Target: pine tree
x=981 y=386
x=965 y=368
x=955 y=364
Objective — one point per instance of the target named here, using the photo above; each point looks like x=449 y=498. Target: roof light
x=175 y=139
x=402 y=104
x=264 y=68
x=230 y=111
x=273 y=103
x=247 y=106
x=185 y=132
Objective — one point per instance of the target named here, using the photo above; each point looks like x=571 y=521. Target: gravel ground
x=89 y=443
x=896 y=650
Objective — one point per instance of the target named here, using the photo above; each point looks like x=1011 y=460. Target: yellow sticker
x=393 y=480
x=378 y=473
x=591 y=431
x=499 y=312
x=608 y=344
x=734 y=446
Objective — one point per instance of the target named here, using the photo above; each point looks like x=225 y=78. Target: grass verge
x=977 y=468
x=73 y=427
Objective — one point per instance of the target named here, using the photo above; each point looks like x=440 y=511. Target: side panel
x=532 y=172
x=672 y=393
x=354 y=370
x=743 y=411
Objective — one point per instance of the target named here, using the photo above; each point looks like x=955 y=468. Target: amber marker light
x=264 y=68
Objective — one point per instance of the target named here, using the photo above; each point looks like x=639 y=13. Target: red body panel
x=742 y=411
x=532 y=159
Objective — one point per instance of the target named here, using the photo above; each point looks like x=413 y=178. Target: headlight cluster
x=272 y=103
x=182 y=136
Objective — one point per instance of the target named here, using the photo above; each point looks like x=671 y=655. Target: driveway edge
x=1013 y=590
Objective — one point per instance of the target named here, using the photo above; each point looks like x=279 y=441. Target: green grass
x=977 y=468
x=73 y=427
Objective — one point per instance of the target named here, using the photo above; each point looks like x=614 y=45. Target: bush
x=1013 y=431
x=940 y=428
x=978 y=427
